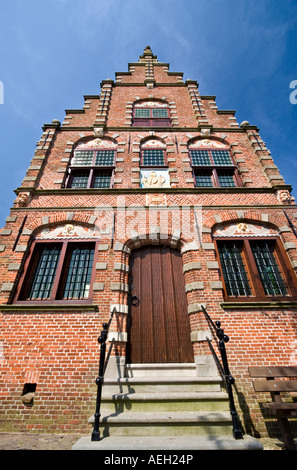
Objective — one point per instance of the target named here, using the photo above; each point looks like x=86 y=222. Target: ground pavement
x=34 y=441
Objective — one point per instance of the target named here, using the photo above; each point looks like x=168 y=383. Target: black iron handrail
x=103 y=361
x=224 y=371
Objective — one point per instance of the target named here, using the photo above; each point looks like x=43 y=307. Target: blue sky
x=54 y=52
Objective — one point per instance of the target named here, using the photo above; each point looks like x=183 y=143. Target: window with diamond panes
x=58 y=271
x=153 y=157
x=255 y=269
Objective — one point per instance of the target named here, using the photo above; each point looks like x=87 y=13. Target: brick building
x=152 y=201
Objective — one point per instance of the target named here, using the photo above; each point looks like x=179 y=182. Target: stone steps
x=167 y=402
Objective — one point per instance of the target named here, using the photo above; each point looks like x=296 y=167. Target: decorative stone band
x=195 y=308
x=119 y=336
x=200 y=335
x=120 y=308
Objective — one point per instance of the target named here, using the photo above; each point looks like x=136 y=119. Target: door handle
x=135 y=300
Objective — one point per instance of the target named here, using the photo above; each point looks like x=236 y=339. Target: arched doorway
x=159 y=327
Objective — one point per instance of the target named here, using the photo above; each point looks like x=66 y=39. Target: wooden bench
x=278 y=407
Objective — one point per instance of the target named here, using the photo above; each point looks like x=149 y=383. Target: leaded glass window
x=153 y=157
x=104 y=158
x=255 y=268
x=151 y=117
x=80 y=180
x=221 y=157
x=203 y=180
x=159 y=113
x=226 y=179
x=268 y=268
x=142 y=113
x=102 y=181
x=93 y=158
x=85 y=167
x=79 y=273
x=83 y=158
x=200 y=158
x=223 y=171
x=44 y=275
x=234 y=270
x=58 y=271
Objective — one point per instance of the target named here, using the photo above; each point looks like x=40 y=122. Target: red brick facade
x=54 y=344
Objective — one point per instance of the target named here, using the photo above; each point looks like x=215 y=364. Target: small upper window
x=151 y=115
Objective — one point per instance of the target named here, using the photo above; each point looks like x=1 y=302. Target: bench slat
x=275 y=385
x=273 y=371
x=281 y=406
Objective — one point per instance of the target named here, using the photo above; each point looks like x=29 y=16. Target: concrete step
x=165 y=423
x=161 y=384
x=161 y=370
x=169 y=443
x=166 y=401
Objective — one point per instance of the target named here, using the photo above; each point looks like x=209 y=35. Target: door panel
x=159 y=329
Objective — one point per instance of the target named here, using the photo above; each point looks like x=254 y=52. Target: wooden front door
x=159 y=328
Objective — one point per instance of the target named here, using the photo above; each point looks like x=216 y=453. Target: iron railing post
x=99 y=381
x=229 y=379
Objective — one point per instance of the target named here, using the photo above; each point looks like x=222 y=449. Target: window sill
x=259 y=304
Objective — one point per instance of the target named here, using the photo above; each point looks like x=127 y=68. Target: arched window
x=151 y=114
x=60 y=266
x=213 y=165
x=253 y=264
x=92 y=165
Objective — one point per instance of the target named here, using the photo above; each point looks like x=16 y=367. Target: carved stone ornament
x=69 y=231
x=244 y=230
x=22 y=200
x=156 y=199
x=97 y=143
x=285 y=197
x=155 y=179
x=209 y=143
